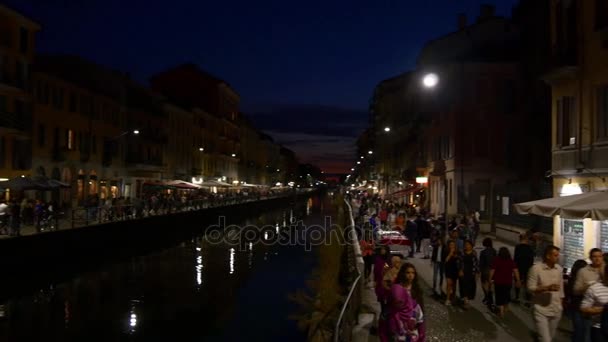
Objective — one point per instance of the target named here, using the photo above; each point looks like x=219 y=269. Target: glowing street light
x=370 y=152
x=362 y=157
x=387 y=129
x=430 y=80
x=201 y=149
x=233 y=155
x=352 y=169
x=136 y=131
x=358 y=162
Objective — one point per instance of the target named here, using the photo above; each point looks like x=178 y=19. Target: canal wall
x=36 y=254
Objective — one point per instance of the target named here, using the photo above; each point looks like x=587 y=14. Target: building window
x=566 y=121
x=41 y=135
x=73 y=102
x=3 y=104
x=601 y=14
x=602 y=112
x=70 y=139
x=24 y=40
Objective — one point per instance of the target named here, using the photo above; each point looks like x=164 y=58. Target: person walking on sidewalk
x=452 y=265
x=438 y=256
x=585 y=277
x=503 y=270
x=581 y=325
x=594 y=303
x=411 y=232
x=469 y=273
x=367 y=251
x=486 y=257
x=546 y=284
x=524 y=259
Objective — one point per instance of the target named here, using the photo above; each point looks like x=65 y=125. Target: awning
x=183 y=185
x=212 y=183
x=405 y=192
x=23 y=183
x=593 y=205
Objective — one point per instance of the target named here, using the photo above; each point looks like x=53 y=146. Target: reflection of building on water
x=199 y=266
x=277 y=228
x=231 y=260
x=250 y=261
x=308 y=206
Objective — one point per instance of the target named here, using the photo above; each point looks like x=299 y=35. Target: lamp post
x=430 y=81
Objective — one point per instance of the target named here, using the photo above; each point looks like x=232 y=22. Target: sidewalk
x=518 y=314
x=457 y=324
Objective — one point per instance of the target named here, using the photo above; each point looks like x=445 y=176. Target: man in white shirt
x=593 y=303
x=3 y=216
x=545 y=282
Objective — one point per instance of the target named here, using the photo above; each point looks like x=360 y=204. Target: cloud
x=320 y=135
x=334 y=154
x=311 y=119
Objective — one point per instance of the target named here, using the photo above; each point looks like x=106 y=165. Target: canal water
x=198 y=290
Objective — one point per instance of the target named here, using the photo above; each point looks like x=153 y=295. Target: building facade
x=17 y=50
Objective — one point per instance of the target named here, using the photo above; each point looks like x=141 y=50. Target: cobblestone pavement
x=455 y=324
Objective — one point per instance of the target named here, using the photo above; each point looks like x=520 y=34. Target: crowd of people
x=16 y=213
x=44 y=216
x=532 y=277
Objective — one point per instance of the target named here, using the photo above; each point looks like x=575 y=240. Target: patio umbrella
x=593 y=205
x=50 y=184
x=183 y=185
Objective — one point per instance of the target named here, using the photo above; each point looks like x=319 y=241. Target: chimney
x=462 y=21
x=486 y=12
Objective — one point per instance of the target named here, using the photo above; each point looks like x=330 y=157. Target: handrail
x=354 y=243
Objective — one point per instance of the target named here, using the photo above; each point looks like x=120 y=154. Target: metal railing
x=86 y=216
x=349 y=314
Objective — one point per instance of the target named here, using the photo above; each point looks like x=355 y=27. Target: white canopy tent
x=592 y=205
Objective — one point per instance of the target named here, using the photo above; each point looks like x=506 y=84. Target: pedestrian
x=15 y=212
x=486 y=258
x=367 y=251
x=451 y=265
x=411 y=232
x=400 y=222
x=585 y=277
x=524 y=259
x=580 y=325
x=468 y=274
x=420 y=224
x=594 y=303
x=425 y=238
x=406 y=318
x=388 y=280
x=501 y=274
x=4 y=214
x=437 y=258
x=546 y=284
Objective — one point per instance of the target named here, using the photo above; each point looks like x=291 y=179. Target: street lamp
x=352 y=169
x=201 y=149
x=358 y=162
x=233 y=155
x=387 y=129
x=370 y=152
x=430 y=80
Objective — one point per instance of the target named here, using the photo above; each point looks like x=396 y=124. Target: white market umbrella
x=593 y=205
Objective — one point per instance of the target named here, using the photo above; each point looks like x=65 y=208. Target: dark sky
x=319 y=58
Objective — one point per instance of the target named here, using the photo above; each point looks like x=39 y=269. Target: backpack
x=604 y=322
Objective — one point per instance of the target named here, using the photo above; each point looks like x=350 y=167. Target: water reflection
x=185 y=287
